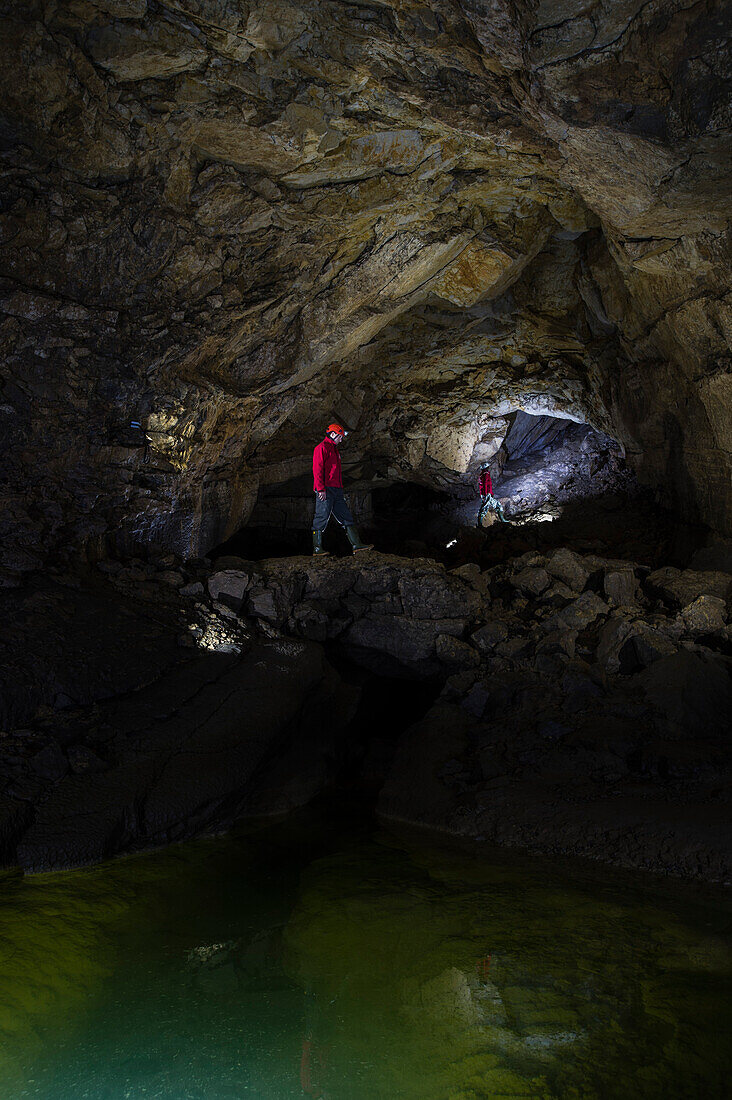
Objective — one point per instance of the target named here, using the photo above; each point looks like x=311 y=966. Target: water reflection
x=290 y=964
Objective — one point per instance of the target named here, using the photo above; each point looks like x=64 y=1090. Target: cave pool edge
x=327 y=956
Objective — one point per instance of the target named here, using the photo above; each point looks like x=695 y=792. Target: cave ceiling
x=235 y=221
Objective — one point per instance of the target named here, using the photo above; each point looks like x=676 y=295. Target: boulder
x=558 y=594
x=229 y=586
x=489 y=635
x=171 y=577
x=705 y=615
x=373 y=580
x=644 y=645
x=407 y=640
x=679 y=588
x=261 y=602
x=388 y=604
x=568 y=567
x=195 y=588
x=620 y=587
x=511 y=647
x=469 y=572
x=613 y=636
x=453 y=653
x=320 y=620
x=330 y=578
x=558 y=642
x=472 y=575
x=578 y=614
x=436 y=595
x=312 y=620
x=533 y=580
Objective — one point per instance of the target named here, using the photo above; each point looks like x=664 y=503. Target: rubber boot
x=355 y=541
x=318 y=551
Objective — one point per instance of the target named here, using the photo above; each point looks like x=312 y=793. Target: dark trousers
x=335 y=502
x=490 y=504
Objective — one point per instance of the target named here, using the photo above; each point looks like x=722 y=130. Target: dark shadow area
x=255 y=543
x=388 y=705
x=412 y=520
x=634 y=529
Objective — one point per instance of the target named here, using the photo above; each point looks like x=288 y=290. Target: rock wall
x=232 y=221
x=584 y=703
x=135 y=716
x=586 y=700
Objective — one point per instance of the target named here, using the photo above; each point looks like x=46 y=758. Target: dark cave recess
x=412 y=521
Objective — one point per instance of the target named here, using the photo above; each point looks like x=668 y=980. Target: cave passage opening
x=547 y=461
x=561 y=481
x=543 y=468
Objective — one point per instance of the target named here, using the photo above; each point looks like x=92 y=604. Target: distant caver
x=488 y=502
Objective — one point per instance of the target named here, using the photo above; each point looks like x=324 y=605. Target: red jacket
x=485 y=485
x=326 y=466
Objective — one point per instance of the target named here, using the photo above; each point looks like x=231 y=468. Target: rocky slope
x=231 y=221
x=583 y=709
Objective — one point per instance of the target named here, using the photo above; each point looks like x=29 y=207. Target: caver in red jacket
x=327 y=466
x=485 y=485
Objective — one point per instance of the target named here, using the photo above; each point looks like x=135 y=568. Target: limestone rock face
x=229 y=222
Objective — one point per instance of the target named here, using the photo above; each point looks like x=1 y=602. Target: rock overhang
x=260 y=210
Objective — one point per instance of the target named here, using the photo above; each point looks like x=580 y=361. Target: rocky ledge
x=586 y=701
x=584 y=706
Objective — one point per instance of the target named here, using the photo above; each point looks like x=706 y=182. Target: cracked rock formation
x=229 y=222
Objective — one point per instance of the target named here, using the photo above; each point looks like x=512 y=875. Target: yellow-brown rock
x=232 y=221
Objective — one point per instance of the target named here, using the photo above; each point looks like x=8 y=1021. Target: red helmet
x=337 y=429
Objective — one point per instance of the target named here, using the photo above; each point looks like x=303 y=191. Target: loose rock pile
x=615 y=615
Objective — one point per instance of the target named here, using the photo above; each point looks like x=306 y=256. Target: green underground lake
x=326 y=957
